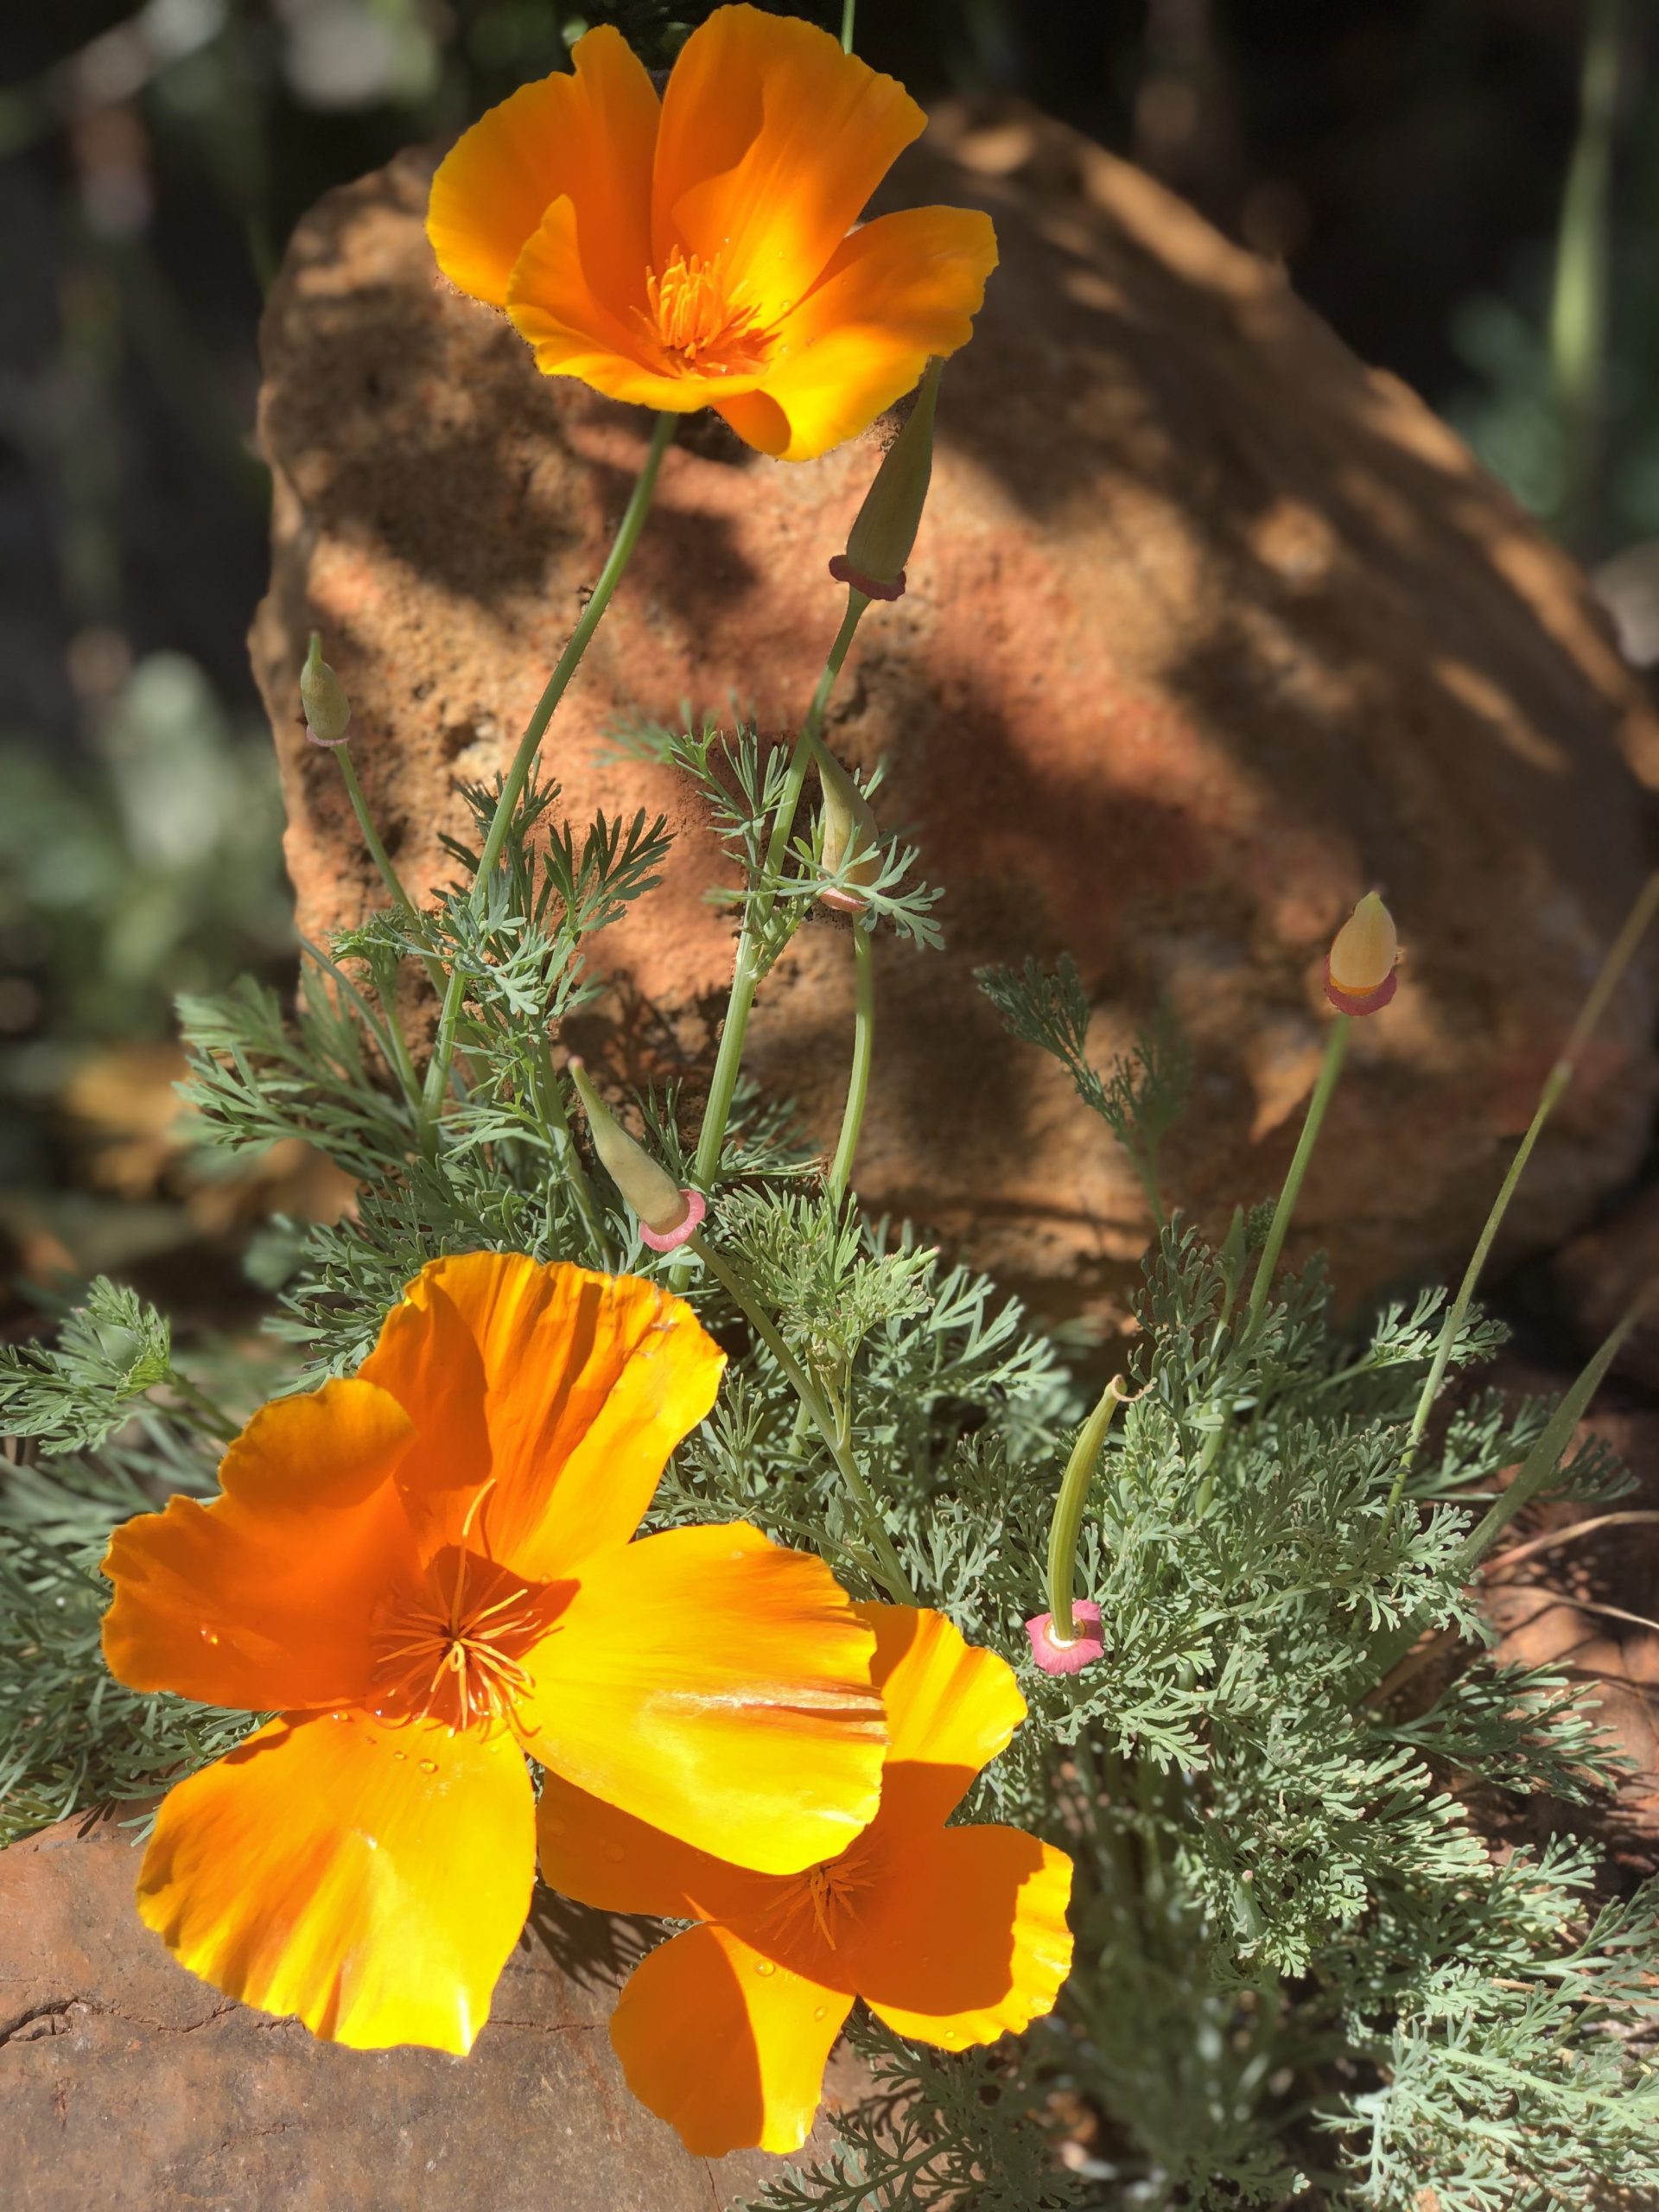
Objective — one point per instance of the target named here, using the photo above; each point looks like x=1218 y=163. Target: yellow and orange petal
x=771 y=142
x=952 y=1708
x=264 y=1598
x=586 y=138
x=716 y=1686
x=564 y=1389
x=902 y=289
x=965 y=1936
x=606 y=1858
x=739 y=287
x=371 y=1881
x=725 y=2045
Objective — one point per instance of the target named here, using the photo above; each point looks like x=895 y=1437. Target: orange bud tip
x=327 y=744
x=844 y=902
x=1056 y=1655
x=844 y=573
x=669 y=1240
x=1359 y=1001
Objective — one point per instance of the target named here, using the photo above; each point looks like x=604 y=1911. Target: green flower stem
x=1067 y=1524
x=627 y=537
x=389 y=876
x=849 y=8
x=1535 y=1471
x=892 y=1574
x=377 y=852
x=858 y=1083
x=1336 y=1052
x=746 y=973
x=550 y=1106
x=1619 y=955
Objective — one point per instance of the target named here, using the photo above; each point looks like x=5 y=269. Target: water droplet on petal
x=209 y=1636
x=818 y=2011
x=428 y=1766
x=764 y=1966
x=615 y=1853
x=400 y=1755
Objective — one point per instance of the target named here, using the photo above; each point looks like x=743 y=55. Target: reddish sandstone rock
x=1210 y=630
x=128 y=2084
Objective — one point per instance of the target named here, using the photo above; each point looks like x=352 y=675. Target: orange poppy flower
x=425 y=1569
x=952 y=1936
x=693 y=252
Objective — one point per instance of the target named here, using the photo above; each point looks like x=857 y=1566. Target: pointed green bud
x=886 y=523
x=327 y=710
x=667 y=1214
x=850 y=834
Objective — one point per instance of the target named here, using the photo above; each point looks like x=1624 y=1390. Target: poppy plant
x=697 y=250
x=952 y=1936
x=426 y=1570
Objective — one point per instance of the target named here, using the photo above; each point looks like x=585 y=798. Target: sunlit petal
x=372 y=1880
x=904 y=288
x=952 y=1708
x=604 y=1857
x=725 y=2045
x=771 y=141
x=591 y=134
x=716 y=1686
x=564 y=1389
x=263 y=1596
x=966 y=1936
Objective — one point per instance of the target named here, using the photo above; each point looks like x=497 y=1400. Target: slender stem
x=1613 y=968
x=1335 y=1051
x=627 y=537
x=1535 y=1471
x=377 y=852
x=849 y=8
x=858 y=1083
x=1067 y=1524
x=549 y=1105
x=893 y=1575
x=746 y=973
x=390 y=877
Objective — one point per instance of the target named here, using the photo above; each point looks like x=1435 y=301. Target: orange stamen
x=441 y=1656
x=705 y=331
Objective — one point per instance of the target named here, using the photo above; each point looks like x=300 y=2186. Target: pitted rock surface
x=1210 y=630
x=128 y=2084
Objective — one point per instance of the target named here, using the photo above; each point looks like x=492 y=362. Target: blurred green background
x=1468 y=189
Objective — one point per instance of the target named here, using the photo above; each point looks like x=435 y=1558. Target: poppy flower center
x=825 y=1897
x=454 y=1652
x=705 y=329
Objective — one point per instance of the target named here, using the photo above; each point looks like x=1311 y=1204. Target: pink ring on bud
x=844 y=573
x=669 y=1240
x=1056 y=1657
x=327 y=744
x=1359 y=1001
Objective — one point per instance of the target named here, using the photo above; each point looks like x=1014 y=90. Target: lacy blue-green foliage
x=1302 y=1974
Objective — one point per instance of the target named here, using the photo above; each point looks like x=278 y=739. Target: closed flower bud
x=886 y=526
x=1359 y=974
x=327 y=710
x=850 y=833
x=668 y=1215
